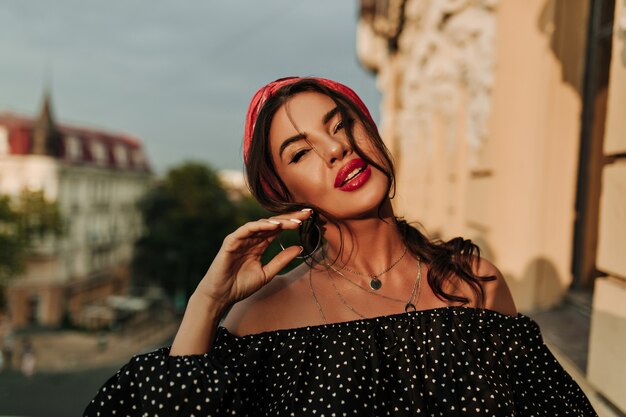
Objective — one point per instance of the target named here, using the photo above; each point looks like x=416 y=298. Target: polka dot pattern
x=449 y=361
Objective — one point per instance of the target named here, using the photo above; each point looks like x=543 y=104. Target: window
x=74 y=149
x=121 y=155
x=99 y=152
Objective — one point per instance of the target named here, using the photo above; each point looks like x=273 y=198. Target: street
x=50 y=394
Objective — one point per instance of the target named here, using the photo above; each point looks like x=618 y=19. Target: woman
x=354 y=330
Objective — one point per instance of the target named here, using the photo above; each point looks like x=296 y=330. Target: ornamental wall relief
x=445 y=58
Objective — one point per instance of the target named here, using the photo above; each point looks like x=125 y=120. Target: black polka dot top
x=449 y=361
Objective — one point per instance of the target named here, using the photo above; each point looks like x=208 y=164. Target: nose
x=335 y=149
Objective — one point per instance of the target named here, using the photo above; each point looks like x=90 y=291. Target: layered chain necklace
x=375 y=282
x=409 y=306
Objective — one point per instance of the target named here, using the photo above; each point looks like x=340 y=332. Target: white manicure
x=296 y=221
x=274 y=221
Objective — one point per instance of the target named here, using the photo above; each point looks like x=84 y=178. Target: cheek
x=307 y=188
x=366 y=144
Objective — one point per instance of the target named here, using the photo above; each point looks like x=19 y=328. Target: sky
x=177 y=75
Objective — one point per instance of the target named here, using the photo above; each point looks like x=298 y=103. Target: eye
x=296 y=157
x=339 y=126
x=342 y=124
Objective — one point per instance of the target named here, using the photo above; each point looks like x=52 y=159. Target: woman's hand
x=236 y=271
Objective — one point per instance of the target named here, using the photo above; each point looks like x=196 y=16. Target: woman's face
x=313 y=157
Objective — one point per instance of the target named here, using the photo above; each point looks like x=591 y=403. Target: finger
x=265 y=227
x=252 y=245
x=259 y=247
x=250 y=228
x=300 y=215
x=280 y=225
x=286 y=223
x=281 y=260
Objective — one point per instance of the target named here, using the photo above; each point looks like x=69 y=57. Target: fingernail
x=296 y=221
x=274 y=221
x=301 y=249
x=307 y=209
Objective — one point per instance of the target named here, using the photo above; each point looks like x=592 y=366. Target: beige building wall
x=607 y=356
x=481 y=109
x=533 y=145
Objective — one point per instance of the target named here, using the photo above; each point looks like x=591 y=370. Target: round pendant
x=410 y=306
x=375 y=283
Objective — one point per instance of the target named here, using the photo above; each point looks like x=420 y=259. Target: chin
x=359 y=205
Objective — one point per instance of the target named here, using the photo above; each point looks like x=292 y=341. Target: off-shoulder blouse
x=447 y=361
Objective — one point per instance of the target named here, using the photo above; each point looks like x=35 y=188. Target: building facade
x=96 y=179
x=505 y=118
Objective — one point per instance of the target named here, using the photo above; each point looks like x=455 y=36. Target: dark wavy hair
x=446 y=259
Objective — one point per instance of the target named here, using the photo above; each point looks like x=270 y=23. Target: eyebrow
x=329 y=115
x=289 y=141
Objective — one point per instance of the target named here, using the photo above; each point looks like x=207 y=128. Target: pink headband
x=264 y=93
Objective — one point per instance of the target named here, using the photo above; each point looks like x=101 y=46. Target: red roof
x=20 y=132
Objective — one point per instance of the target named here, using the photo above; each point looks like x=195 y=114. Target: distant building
x=96 y=178
x=234 y=183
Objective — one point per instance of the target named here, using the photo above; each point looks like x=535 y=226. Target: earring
x=303 y=229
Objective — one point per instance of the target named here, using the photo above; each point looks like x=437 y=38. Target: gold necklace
x=418 y=286
x=408 y=306
x=332 y=280
x=319 y=307
x=375 y=282
x=376 y=293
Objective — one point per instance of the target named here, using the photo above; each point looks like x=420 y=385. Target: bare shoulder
x=498 y=297
x=267 y=308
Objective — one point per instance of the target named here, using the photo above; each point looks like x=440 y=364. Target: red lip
x=347 y=169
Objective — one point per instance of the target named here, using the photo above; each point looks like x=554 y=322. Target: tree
x=38 y=217
x=23 y=220
x=12 y=242
x=186 y=217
